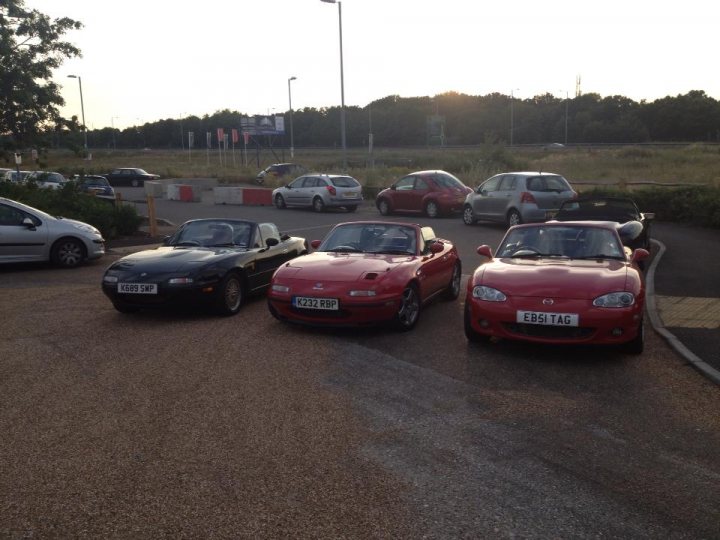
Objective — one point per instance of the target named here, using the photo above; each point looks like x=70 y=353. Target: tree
x=31 y=47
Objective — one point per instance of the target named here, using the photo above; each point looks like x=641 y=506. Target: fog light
x=617 y=332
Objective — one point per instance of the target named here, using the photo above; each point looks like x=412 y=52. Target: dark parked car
x=279 y=170
x=95 y=184
x=617 y=209
x=427 y=192
x=211 y=262
x=129 y=177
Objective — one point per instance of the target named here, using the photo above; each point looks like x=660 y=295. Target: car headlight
x=362 y=293
x=481 y=292
x=110 y=279
x=280 y=288
x=180 y=281
x=615 y=300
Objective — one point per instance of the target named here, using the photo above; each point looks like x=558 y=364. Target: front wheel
x=409 y=311
x=453 y=288
x=468 y=216
x=135 y=183
x=351 y=207
x=68 y=253
x=279 y=202
x=230 y=295
x=432 y=210
x=471 y=335
x=383 y=207
x=318 y=204
x=514 y=218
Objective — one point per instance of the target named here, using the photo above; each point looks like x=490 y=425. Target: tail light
x=527 y=197
x=331 y=189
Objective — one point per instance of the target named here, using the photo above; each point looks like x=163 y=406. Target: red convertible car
x=560 y=282
x=366 y=273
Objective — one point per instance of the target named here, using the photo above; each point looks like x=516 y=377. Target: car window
x=10 y=216
x=345 y=181
x=490 y=185
x=405 y=184
x=268 y=230
x=298 y=182
x=310 y=181
x=421 y=183
x=448 y=181
x=556 y=183
x=507 y=183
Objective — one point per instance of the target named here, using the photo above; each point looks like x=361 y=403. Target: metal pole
x=342 y=92
x=292 y=139
x=82 y=108
x=511 y=117
x=566 y=118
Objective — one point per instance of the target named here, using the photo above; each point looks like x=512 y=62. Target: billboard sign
x=263 y=125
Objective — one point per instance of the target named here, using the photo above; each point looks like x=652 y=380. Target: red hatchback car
x=428 y=192
x=366 y=273
x=560 y=282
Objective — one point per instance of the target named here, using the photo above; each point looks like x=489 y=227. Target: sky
x=146 y=60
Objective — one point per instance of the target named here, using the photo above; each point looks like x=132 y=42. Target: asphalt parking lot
x=186 y=425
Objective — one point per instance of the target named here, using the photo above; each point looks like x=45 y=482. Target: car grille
x=321 y=314
x=551 y=332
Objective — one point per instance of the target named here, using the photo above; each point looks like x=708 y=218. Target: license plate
x=304 y=302
x=137 y=288
x=350 y=194
x=548 y=319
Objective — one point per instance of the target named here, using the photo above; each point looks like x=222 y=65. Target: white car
x=47 y=180
x=320 y=191
x=28 y=234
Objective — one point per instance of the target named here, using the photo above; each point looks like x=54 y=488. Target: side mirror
x=315 y=244
x=649 y=215
x=166 y=240
x=284 y=237
x=29 y=223
x=485 y=251
x=437 y=247
x=270 y=242
x=639 y=255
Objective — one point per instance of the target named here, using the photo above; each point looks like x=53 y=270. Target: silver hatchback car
x=320 y=191
x=28 y=234
x=517 y=197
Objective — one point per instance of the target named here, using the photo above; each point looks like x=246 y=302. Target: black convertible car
x=618 y=209
x=215 y=262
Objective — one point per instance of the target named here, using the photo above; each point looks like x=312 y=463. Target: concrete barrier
x=155 y=189
x=242 y=195
x=184 y=192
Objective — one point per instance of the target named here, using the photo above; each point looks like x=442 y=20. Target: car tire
x=67 y=253
x=513 y=218
x=636 y=344
x=409 y=310
x=230 y=295
x=453 y=288
x=471 y=335
x=351 y=207
x=280 y=202
x=468 y=215
x=383 y=207
x=318 y=205
x=135 y=183
x=124 y=308
x=432 y=210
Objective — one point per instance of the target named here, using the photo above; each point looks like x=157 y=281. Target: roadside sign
x=18 y=158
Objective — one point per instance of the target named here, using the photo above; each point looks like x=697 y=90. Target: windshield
x=214 y=233
x=371 y=238
x=598 y=209
x=572 y=242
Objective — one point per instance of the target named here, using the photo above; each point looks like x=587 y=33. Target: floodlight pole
x=342 y=85
x=82 y=107
x=292 y=140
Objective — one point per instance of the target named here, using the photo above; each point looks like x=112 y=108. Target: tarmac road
x=187 y=425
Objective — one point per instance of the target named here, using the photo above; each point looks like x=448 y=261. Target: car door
x=403 y=193
x=268 y=259
x=484 y=198
x=435 y=267
x=293 y=192
x=21 y=242
x=504 y=197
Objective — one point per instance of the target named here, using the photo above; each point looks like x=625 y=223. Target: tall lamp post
x=292 y=138
x=342 y=85
x=82 y=107
x=512 y=125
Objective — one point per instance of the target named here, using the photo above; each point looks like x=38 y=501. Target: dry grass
x=623 y=166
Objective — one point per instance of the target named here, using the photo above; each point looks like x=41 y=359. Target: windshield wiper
x=391 y=252
x=345 y=249
x=601 y=256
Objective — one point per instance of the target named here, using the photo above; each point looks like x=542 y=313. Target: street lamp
x=512 y=127
x=292 y=140
x=342 y=84
x=82 y=107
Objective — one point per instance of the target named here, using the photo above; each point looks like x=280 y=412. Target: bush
x=69 y=202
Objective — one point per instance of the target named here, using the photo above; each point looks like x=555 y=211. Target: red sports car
x=560 y=282
x=366 y=273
